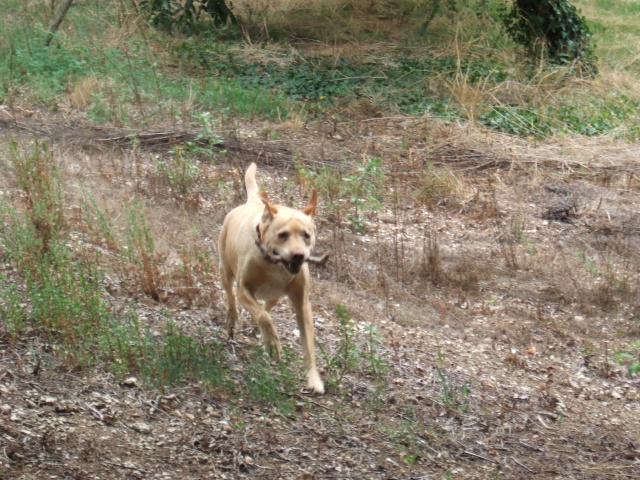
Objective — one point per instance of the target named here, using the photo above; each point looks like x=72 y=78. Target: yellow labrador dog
x=266 y=249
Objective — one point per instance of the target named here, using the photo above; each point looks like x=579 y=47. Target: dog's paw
x=270 y=337
x=272 y=342
x=274 y=351
x=314 y=384
x=230 y=329
x=232 y=318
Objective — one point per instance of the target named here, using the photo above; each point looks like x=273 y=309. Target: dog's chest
x=275 y=287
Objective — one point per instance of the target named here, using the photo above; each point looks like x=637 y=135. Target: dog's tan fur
x=287 y=233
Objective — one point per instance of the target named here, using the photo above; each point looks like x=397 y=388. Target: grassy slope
x=116 y=76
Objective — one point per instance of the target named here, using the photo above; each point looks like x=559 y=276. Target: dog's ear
x=269 y=210
x=310 y=209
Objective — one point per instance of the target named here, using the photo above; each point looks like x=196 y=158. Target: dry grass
x=81 y=95
x=327 y=20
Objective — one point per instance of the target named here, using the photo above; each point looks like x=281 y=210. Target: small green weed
x=330 y=186
x=366 y=187
x=590 y=264
x=376 y=367
x=122 y=343
x=98 y=225
x=345 y=358
x=407 y=435
x=12 y=310
x=451 y=397
x=273 y=384
x=206 y=135
x=140 y=252
x=631 y=358
x=180 y=170
x=176 y=357
x=371 y=347
x=362 y=189
x=357 y=350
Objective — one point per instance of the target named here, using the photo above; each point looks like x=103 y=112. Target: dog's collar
x=258 y=232
x=263 y=248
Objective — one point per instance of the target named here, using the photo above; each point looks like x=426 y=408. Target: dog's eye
x=306 y=235
x=283 y=235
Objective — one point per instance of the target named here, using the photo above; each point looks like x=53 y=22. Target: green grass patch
x=617 y=31
x=274 y=384
x=60 y=293
x=403 y=83
x=125 y=77
x=130 y=82
x=616 y=115
x=177 y=358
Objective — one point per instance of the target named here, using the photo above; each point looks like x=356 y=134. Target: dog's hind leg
x=227 y=278
x=269 y=304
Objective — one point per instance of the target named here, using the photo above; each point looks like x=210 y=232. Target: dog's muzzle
x=294 y=265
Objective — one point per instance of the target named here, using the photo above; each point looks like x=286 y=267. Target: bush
x=170 y=14
x=552 y=28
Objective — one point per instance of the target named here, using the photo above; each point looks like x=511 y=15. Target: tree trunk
x=57 y=20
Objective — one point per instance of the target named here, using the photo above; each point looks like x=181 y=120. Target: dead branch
x=57 y=20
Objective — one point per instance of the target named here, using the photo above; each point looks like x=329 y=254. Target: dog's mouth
x=293 y=265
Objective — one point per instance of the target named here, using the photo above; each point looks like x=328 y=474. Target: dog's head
x=289 y=234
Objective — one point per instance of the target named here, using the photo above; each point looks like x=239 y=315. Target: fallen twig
x=521 y=465
x=487 y=459
x=128 y=467
x=96 y=413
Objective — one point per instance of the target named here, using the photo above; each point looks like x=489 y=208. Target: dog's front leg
x=304 y=317
x=262 y=318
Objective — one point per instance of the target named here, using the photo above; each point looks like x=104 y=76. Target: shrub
x=170 y=14
x=553 y=28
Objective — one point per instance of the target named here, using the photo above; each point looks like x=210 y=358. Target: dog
x=266 y=249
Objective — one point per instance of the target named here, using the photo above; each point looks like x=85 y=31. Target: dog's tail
x=250 y=182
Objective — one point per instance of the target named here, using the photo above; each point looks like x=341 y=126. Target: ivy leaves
x=170 y=14
x=552 y=28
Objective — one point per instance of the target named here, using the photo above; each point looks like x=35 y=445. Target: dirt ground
x=502 y=283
